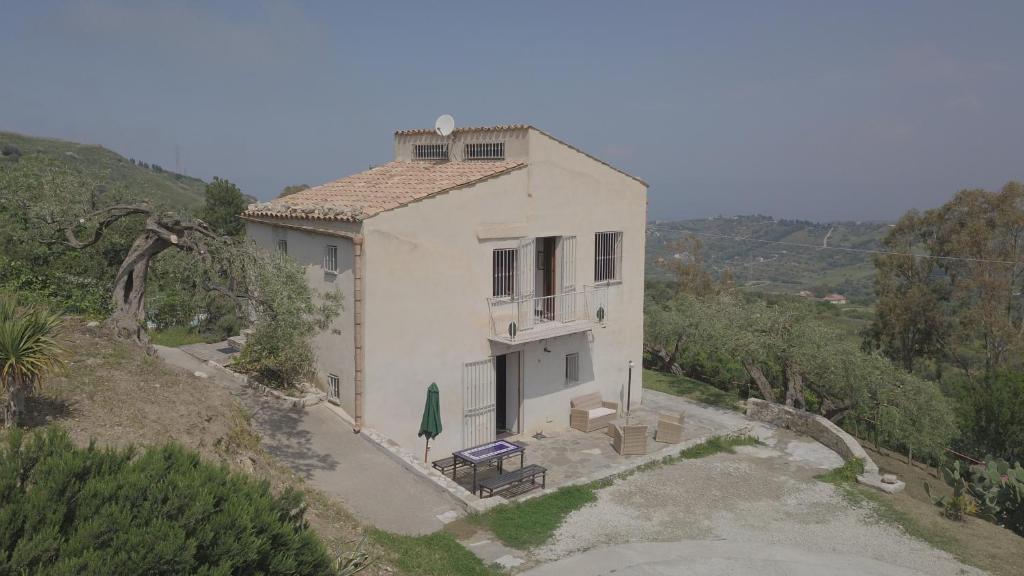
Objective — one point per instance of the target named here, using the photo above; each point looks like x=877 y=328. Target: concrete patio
x=574 y=457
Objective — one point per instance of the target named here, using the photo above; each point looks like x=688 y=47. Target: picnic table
x=487 y=455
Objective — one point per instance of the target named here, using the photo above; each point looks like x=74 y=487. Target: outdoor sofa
x=589 y=412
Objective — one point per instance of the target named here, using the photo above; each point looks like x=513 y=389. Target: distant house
x=806 y=294
x=501 y=263
x=835 y=299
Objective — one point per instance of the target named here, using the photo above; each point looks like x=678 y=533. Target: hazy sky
x=820 y=110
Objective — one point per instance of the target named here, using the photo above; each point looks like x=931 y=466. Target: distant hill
x=777 y=265
x=149 y=182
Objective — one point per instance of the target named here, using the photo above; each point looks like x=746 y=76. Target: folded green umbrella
x=430 y=426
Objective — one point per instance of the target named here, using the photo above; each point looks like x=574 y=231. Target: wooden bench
x=446 y=465
x=513 y=478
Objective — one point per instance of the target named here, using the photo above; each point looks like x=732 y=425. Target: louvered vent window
x=572 y=368
x=430 y=151
x=485 y=151
x=333 y=387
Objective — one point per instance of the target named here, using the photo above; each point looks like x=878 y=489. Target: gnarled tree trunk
x=160 y=232
x=129 y=294
x=763 y=385
x=794 y=388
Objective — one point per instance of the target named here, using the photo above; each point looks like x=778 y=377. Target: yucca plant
x=29 y=351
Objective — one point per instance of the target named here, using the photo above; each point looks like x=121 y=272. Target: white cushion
x=598 y=412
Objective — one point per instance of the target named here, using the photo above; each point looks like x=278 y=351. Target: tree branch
x=111 y=214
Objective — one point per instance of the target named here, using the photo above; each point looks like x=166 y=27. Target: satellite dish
x=444 y=125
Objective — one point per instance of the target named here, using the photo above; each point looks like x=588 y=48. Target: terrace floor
x=573 y=457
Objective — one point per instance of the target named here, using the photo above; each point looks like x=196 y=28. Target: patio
x=573 y=457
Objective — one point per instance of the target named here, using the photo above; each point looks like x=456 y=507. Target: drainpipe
x=357 y=314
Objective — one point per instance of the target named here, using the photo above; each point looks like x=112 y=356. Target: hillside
x=151 y=183
x=764 y=264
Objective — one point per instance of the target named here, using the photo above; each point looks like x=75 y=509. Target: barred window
x=504 y=272
x=333 y=387
x=572 y=368
x=331 y=259
x=607 y=256
x=430 y=151
x=282 y=246
x=484 y=151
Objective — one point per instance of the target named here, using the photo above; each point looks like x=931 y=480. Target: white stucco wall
x=334 y=346
x=428 y=276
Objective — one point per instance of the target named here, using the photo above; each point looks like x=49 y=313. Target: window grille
x=484 y=151
x=331 y=259
x=333 y=387
x=572 y=368
x=282 y=246
x=430 y=151
x=607 y=256
x=504 y=267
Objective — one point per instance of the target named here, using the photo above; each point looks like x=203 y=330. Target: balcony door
x=567 y=305
x=545 y=281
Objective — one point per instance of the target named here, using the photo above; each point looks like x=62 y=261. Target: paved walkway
x=319 y=446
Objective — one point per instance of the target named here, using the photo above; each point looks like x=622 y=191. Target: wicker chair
x=670 y=428
x=629 y=438
x=588 y=412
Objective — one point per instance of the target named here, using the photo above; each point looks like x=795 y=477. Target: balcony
x=514 y=321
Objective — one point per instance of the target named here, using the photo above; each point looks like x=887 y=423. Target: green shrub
x=845 y=474
x=68 y=510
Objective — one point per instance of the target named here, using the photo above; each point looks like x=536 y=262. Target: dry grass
x=974 y=541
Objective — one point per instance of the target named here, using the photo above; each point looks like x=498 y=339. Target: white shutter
x=567 y=278
x=478 y=389
x=526 y=281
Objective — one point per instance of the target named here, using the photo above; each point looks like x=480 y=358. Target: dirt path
x=757 y=511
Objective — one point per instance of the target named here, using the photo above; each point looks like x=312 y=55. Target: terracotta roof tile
x=360 y=196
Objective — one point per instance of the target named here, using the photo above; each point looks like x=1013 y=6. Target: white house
x=501 y=263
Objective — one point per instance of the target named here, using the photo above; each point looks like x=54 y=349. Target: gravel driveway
x=758 y=511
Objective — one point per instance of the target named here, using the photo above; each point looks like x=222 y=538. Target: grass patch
x=523 y=525
x=437 y=554
x=177 y=336
x=692 y=389
x=845 y=474
x=527 y=524
x=716 y=445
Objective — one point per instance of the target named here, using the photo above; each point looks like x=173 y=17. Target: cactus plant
x=999 y=490
x=962 y=502
x=994 y=492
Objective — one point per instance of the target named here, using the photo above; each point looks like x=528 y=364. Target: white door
x=478 y=386
x=526 y=277
x=567 y=305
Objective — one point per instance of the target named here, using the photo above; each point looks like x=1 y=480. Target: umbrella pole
x=425 y=450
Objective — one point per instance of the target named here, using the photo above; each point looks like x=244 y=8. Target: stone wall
x=823 y=430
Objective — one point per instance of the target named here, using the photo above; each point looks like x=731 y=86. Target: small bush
x=845 y=474
x=68 y=510
x=10 y=151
